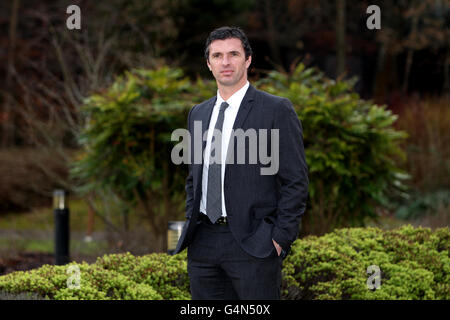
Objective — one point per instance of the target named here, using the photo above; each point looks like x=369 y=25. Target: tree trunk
x=340 y=37
x=408 y=63
x=272 y=33
x=379 y=86
x=446 y=85
x=8 y=127
x=410 y=54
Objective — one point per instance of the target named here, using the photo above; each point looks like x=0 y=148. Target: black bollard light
x=173 y=234
x=61 y=214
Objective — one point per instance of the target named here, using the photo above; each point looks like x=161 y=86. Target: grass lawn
x=34 y=231
x=43 y=219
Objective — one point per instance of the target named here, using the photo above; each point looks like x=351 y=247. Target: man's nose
x=225 y=60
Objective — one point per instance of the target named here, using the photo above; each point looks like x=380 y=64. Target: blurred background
x=47 y=71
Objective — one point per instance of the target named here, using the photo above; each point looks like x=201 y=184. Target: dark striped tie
x=214 y=192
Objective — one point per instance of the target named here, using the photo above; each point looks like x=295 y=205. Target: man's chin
x=228 y=82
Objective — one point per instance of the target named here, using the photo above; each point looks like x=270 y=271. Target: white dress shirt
x=229 y=117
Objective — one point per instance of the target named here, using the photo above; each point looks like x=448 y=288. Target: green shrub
x=351 y=145
x=111 y=277
x=414 y=263
x=352 y=149
x=167 y=275
x=127 y=143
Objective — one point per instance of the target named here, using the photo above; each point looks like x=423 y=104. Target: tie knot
x=223 y=106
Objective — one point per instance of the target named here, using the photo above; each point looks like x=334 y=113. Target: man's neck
x=226 y=92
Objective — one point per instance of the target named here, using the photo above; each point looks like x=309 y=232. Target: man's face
x=227 y=61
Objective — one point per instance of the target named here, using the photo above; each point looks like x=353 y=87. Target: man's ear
x=248 y=62
x=209 y=66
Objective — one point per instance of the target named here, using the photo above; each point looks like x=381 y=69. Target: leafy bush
x=111 y=277
x=166 y=274
x=414 y=263
x=127 y=142
x=351 y=145
x=352 y=148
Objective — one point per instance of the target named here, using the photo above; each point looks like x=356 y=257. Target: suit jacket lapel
x=242 y=114
x=244 y=108
x=206 y=118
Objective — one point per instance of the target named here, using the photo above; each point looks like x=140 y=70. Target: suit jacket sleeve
x=292 y=176
x=189 y=180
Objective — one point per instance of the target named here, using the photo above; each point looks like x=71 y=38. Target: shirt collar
x=236 y=98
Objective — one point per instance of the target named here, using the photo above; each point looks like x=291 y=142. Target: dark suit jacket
x=259 y=207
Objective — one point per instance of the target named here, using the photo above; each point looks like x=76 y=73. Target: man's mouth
x=226 y=72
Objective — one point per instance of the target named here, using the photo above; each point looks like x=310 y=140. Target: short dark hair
x=223 y=33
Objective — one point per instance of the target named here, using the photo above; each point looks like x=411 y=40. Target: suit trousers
x=219 y=268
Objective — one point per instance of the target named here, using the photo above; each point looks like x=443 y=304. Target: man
x=240 y=222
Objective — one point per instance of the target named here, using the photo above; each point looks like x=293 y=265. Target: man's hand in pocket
x=277 y=246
